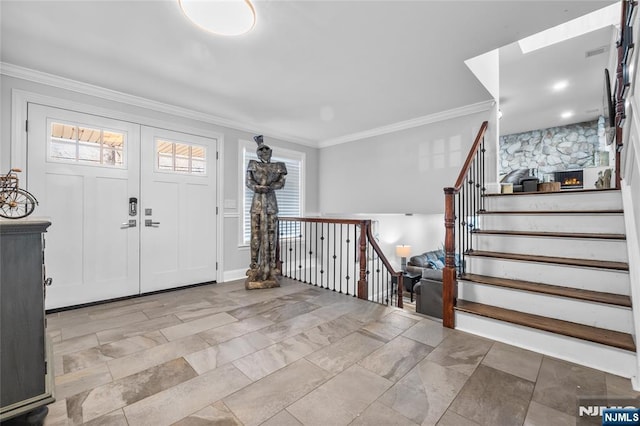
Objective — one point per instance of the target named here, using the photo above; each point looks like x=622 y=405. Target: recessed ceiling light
x=561 y=85
x=567 y=114
x=223 y=17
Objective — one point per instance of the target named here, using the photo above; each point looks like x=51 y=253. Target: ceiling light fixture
x=567 y=114
x=561 y=85
x=223 y=17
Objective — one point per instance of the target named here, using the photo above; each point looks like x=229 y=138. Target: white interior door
x=84 y=169
x=178 y=209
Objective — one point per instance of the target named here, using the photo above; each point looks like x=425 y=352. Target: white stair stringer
x=600 y=315
x=578 y=248
x=595 y=279
x=610 y=223
x=596 y=200
x=594 y=355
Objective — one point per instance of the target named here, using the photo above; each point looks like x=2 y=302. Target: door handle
x=149 y=222
x=130 y=224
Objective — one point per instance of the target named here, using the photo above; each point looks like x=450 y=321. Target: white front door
x=178 y=209
x=84 y=169
x=98 y=180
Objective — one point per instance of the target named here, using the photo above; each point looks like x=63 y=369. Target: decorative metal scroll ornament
x=264 y=178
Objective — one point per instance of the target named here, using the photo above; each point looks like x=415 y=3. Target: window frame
x=174 y=157
x=77 y=161
x=279 y=154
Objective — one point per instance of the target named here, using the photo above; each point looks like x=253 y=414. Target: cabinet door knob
x=48 y=281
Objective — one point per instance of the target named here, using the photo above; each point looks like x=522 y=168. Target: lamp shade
x=403 y=250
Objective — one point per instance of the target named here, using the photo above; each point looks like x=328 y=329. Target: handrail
x=469 y=192
x=337 y=254
x=470 y=156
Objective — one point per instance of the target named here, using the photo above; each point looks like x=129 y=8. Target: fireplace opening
x=569 y=179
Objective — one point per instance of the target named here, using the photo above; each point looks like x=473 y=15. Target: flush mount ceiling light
x=561 y=85
x=223 y=17
x=567 y=114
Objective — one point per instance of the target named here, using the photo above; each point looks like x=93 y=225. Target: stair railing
x=462 y=203
x=341 y=255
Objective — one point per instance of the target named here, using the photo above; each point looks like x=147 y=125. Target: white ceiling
x=310 y=71
x=527 y=98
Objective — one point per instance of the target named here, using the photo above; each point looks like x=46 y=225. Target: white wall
x=235 y=258
x=630 y=185
x=401 y=172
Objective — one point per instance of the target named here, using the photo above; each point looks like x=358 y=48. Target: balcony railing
x=340 y=255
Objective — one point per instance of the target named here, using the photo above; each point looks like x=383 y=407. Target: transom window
x=180 y=157
x=88 y=145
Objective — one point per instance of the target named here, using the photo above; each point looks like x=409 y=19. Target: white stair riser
x=578 y=248
x=612 y=360
x=606 y=200
x=601 y=223
x=599 y=315
x=596 y=279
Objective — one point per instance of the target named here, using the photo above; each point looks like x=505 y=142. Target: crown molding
x=59 y=82
x=410 y=124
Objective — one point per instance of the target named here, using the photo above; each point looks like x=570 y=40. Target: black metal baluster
x=347 y=260
x=315 y=282
x=322 y=254
x=334 y=260
x=483 y=190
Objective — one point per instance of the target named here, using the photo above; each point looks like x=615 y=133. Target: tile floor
x=293 y=355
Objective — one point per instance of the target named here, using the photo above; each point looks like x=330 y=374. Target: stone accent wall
x=549 y=150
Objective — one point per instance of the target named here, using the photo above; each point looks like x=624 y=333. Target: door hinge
x=216 y=209
x=216 y=266
x=26 y=125
x=217 y=155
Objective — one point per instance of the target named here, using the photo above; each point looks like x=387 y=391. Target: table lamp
x=403 y=251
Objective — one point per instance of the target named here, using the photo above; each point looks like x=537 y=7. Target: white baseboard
x=236 y=274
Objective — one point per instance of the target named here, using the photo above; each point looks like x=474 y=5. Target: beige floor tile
x=214 y=414
x=541 y=415
x=274 y=357
x=493 y=397
x=57 y=413
x=116 y=418
x=291 y=327
x=345 y=352
x=215 y=356
x=140 y=328
x=190 y=328
x=379 y=414
x=79 y=381
x=425 y=392
x=453 y=419
x=460 y=351
x=341 y=399
x=94 y=326
x=142 y=360
x=396 y=358
x=427 y=331
x=234 y=329
x=75 y=344
x=171 y=405
x=104 y=399
x=264 y=398
x=283 y=418
x=513 y=360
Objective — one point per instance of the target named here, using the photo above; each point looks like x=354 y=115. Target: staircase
x=549 y=272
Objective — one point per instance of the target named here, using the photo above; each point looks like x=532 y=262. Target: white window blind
x=289 y=197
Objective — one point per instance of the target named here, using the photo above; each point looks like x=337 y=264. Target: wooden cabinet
x=26 y=376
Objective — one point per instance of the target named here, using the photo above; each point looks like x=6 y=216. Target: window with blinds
x=289 y=198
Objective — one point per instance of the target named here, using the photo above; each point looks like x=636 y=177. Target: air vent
x=596 y=51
